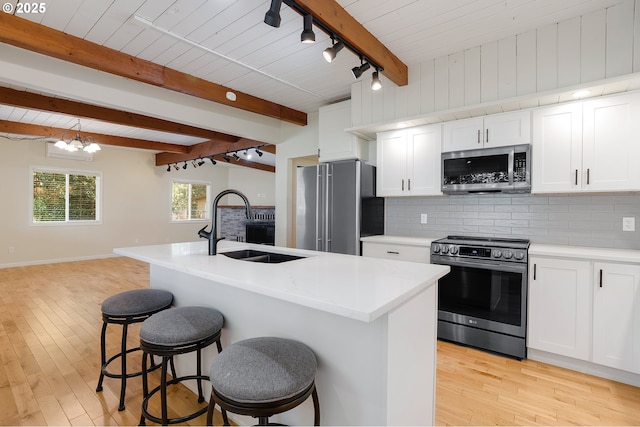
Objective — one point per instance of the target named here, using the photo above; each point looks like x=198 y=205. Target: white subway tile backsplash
x=576 y=219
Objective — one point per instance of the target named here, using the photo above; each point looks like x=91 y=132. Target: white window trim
x=207 y=207
x=66 y=171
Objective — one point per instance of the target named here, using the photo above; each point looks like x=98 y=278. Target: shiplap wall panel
x=356 y=104
x=391 y=99
x=547 y=58
x=427 y=87
x=526 y=62
x=441 y=80
x=414 y=89
x=569 y=52
x=619 y=40
x=456 y=80
x=593 y=58
x=584 y=49
x=472 y=76
x=367 y=113
x=507 y=68
x=489 y=72
x=377 y=105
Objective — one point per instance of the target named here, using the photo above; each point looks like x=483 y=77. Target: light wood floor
x=50 y=360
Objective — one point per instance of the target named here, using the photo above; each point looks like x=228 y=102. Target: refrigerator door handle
x=318 y=204
x=328 y=214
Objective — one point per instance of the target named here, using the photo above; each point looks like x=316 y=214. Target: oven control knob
x=519 y=255
x=496 y=254
x=444 y=249
x=508 y=254
x=453 y=250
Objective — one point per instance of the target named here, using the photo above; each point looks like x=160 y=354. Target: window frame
x=66 y=172
x=191 y=182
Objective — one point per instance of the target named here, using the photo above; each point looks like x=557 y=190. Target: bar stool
x=126 y=308
x=261 y=377
x=167 y=334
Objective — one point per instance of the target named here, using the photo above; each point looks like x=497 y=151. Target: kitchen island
x=371 y=322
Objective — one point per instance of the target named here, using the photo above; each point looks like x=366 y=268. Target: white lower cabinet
x=616 y=316
x=396 y=251
x=560 y=306
x=585 y=309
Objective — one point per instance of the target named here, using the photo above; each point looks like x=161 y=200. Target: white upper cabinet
x=496 y=130
x=333 y=142
x=408 y=162
x=589 y=146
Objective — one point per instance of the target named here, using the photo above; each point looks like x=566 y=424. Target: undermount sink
x=260 y=256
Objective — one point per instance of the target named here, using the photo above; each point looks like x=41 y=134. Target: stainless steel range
x=482 y=302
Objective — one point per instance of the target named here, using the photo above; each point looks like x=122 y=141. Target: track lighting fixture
x=357 y=71
x=272 y=17
x=331 y=52
x=200 y=162
x=195 y=165
x=185 y=165
x=168 y=168
x=235 y=156
x=226 y=158
x=259 y=153
x=376 y=84
x=176 y=167
x=213 y=162
x=307 y=36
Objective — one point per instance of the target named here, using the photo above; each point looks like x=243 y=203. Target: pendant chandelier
x=78 y=143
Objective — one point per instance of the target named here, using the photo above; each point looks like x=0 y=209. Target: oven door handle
x=485 y=265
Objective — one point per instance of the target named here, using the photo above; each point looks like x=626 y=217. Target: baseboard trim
x=56 y=260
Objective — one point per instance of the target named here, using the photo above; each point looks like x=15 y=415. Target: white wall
x=136 y=202
x=601 y=45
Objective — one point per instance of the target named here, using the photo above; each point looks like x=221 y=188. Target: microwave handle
x=479 y=133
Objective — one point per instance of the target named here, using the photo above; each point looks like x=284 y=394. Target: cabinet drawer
x=397 y=252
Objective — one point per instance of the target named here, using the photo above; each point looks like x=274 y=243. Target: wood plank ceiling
x=225 y=45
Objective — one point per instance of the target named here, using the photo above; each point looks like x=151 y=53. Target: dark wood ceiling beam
x=246 y=163
x=211 y=148
x=34 y=101
x=47 y=131
x=334 y=17
x=29 y=35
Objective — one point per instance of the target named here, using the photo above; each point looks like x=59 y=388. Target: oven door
x=485 y=295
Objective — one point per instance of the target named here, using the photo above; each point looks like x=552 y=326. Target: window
x=189 y=201
x=65 y=196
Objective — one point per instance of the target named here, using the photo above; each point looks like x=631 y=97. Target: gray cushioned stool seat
x=263 y=369
x=136 y=302
x=181 y=325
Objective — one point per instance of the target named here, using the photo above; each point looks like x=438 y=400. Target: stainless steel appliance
x=487 y=170
x=336 y=205
x=482 y=302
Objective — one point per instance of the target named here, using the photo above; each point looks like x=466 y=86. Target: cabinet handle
x=479 y=136
x=576 y=176
x=600 y=277
x=409 y=184
x=534 y=271
x=393 y=252
x=403 y=184
x=588 y=171
x=487 y=135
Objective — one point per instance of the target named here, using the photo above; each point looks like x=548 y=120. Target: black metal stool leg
x=103 y=354
x=163 y=391
x=316 y=407
x=124 y=366
x=199 y=374
x=145 y=386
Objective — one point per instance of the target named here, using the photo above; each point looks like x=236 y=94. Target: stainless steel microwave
x=488 y=170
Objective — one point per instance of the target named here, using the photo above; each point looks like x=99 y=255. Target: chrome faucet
x=213 y=234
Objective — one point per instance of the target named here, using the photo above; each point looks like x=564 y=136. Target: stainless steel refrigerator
x=336 y=205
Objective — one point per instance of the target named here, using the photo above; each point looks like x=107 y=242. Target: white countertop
x=351 y=286
x=582 y=252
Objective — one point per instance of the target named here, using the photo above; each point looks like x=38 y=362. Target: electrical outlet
x=423 y=218
x=629 y=224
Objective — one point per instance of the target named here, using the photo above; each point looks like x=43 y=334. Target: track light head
x=213 y=161
x=330 y=53
x=272 y=17
x=176 y=167
x=357 y=71
x=235 y=156
x=376 y=84
x=227 y=158
x=259 y=153
x=307 y=36
x=195 y=165
x=200 y=162
x=185 y=165
x=168 y=168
